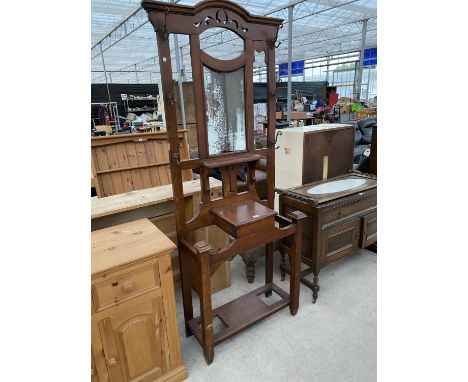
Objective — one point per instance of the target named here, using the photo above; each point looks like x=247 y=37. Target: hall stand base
x=242 y=313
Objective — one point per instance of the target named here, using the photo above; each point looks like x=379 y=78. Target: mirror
x=225 y=110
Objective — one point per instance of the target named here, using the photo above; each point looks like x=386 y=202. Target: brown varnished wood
x=183 y=19
x=229 y=160
x=271 y=120
x=249 y=221
x=200 y=112
x=240 y=219
x=171 y=126
x=223 y=65
x=335 y=144
x=337 y=224
x=248 y=91
x=204 y=216
x=242 y=313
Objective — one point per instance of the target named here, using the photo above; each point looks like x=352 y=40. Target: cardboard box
x=298 y=115
x=279 y=115
x=107 y=129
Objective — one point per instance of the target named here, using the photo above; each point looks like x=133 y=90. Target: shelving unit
x=139 y=105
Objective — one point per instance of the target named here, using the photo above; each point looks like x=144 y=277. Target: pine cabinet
x=134 y=327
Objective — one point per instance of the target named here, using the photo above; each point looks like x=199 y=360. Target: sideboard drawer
x=338 y=212
x=340 y=240
x=123 y=287
x=369 y=229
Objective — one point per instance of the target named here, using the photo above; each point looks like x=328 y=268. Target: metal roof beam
x=130 y=24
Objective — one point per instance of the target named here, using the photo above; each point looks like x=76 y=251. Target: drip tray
x=242 y=312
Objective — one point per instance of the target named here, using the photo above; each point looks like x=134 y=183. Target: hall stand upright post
x=249 y=221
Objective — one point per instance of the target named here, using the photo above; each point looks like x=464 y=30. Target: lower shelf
x=242 y=313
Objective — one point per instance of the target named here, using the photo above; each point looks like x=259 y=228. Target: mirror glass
x=225 y=111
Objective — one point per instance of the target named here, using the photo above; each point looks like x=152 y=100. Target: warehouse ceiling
x=128 y=42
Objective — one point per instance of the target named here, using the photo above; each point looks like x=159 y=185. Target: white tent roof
x=320 y=28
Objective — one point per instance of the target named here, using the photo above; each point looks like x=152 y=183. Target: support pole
x=184 y=77
x=105 y=72
x=328 y=68
x=179 y=81
x=179 y=78
x=361 y=61
x=368 y=82
x=290 y=25
x=136 y=73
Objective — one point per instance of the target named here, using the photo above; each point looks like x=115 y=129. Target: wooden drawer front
x=124 y=287
x=369 y=230
x=348 y=209
x=340 y=240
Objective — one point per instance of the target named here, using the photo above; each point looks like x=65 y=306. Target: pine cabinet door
x=135 y=342
x=94 y=376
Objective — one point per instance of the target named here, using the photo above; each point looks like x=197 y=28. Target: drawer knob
x=112 y=362
x=128 y=287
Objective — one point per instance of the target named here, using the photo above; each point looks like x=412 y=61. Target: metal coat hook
x=270 y=144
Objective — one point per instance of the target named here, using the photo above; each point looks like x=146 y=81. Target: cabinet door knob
x=128 y=287
x=112 y=362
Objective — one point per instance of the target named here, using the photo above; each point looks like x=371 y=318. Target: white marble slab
x=336 y=186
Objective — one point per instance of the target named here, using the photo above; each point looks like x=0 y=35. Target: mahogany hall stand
x=223 y=92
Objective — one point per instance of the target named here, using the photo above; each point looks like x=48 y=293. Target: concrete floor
x=334 y=340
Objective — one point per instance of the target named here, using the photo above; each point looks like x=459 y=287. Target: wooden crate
x=129 y=162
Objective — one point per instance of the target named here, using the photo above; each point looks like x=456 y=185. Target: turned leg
x=269 y=266
x=249 y=259
x=185 y=268
x=297 y=218
x=283 y=266
x=206 y=313
x=250 y=270
x=315 y=288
